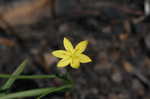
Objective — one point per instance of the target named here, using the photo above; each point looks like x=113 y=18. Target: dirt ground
x=119 y=45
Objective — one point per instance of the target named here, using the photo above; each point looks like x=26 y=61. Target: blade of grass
x=36 y=92
x=43 y=95
x=17 y=72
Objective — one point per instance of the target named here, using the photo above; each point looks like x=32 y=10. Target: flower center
x=73 y=55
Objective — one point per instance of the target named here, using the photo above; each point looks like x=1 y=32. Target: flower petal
x=60 y=53
x=64 y=62
x=84 y=58
x=81 y=47
x=75 y=63
x=68 y=45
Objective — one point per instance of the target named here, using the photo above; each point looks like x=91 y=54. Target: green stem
x=28 y=76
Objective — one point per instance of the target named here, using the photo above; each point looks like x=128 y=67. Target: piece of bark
x=28 y=12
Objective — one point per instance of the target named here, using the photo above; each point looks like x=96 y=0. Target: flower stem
x=28 y=76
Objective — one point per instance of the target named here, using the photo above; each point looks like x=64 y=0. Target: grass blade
x=35 y=92
x=17 y=72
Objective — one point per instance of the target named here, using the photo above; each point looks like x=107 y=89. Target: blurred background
x=118 y=32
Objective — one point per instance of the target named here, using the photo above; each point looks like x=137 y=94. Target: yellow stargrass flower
x=72 y=56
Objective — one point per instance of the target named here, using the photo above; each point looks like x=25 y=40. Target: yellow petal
x=75 y=63
x=64 y=62
x=60 y=53
x=84 y=58
x=81 y=47
x=68 y=45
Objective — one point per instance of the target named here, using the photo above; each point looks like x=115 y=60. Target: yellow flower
x=72 y=56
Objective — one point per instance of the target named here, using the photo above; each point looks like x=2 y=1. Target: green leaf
x=17 y=72
x=35 y=92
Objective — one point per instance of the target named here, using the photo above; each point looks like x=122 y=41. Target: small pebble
x=116 y=77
